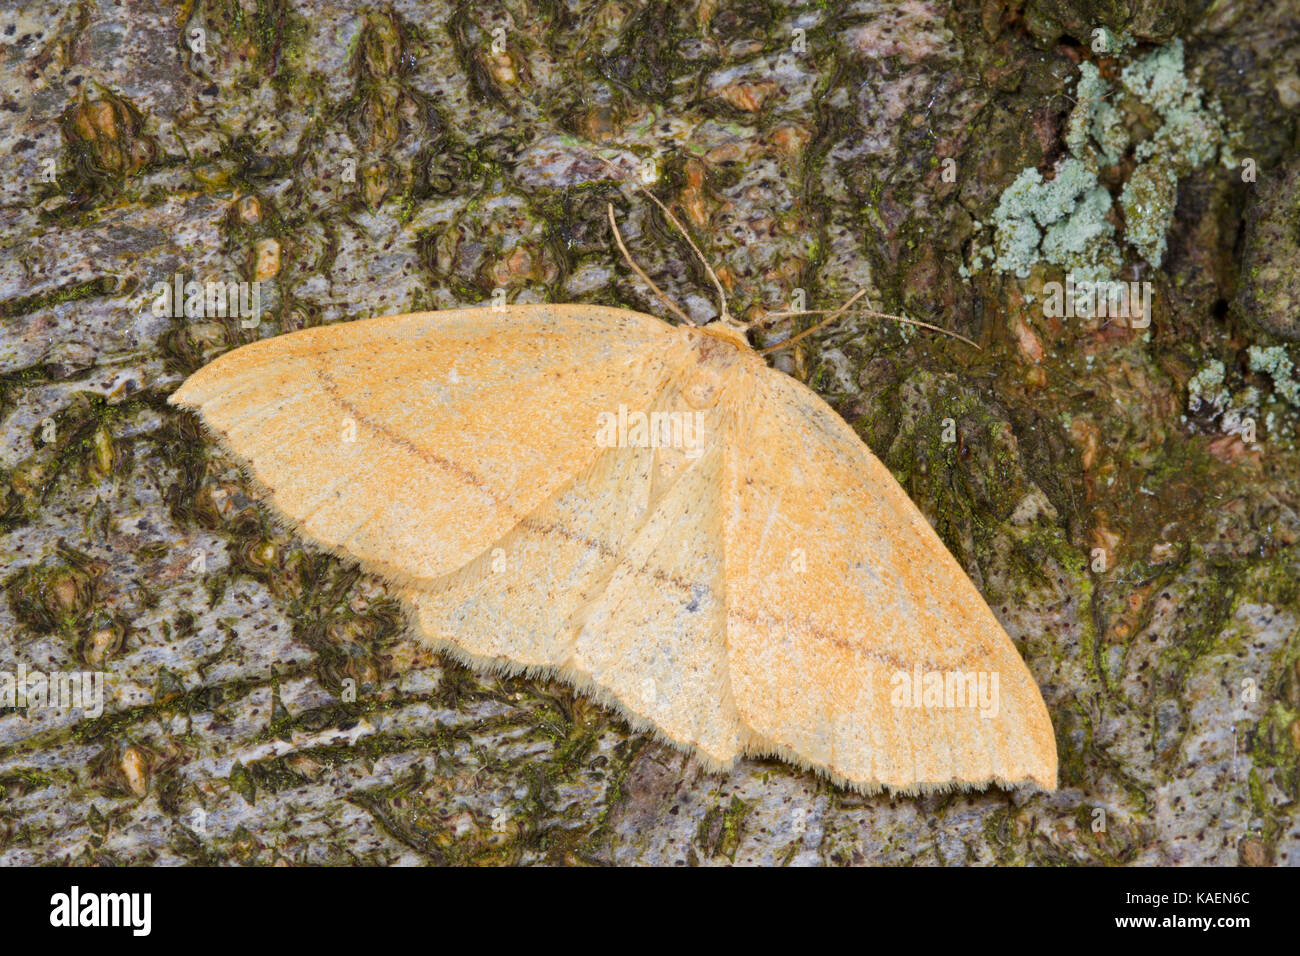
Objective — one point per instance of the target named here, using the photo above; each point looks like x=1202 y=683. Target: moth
x=649 y=512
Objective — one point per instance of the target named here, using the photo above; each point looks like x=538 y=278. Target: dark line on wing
x=686 y=587
x=445 y=464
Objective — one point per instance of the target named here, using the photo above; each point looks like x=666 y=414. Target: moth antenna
x=724 y=315
x=836 y=313
x=618 y=237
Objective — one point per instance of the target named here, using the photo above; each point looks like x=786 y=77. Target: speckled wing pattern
x=758 y=595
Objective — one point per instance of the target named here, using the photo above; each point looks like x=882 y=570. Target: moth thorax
x=702 y=388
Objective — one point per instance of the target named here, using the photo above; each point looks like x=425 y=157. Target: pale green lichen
x=1239 y=417
x=1148 y=201
x=1206 y=387
x=1191 y=135
x=1095 y=118
x=1274 y=362
x=979 y=255
x=1106 y=42
x=1158 y=78
x=1233 y=413
x=1064 y=221
x=1193 y=132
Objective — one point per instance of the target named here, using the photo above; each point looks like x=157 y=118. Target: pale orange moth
x=741 y=575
